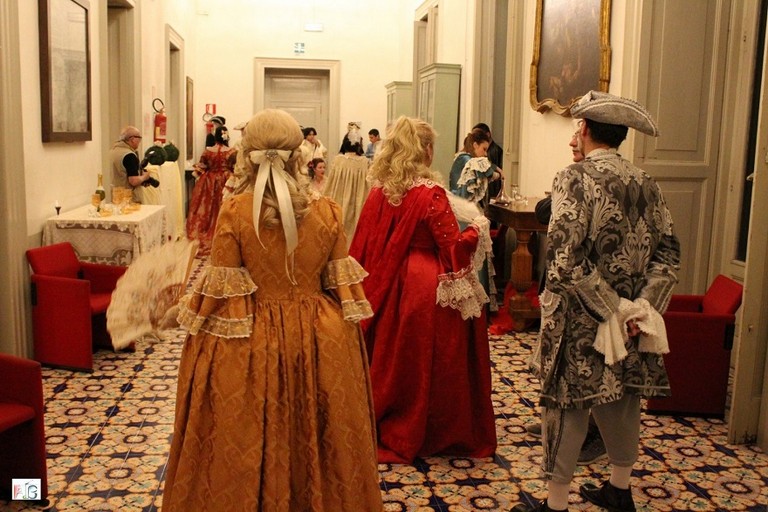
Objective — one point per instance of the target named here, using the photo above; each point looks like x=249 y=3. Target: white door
x=684 y=90
x=303 y=93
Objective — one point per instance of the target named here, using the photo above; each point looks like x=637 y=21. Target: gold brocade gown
x=274 y=410
x=347 y=184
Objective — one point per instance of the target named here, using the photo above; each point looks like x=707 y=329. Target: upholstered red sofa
x=700 y=329
x=69 y=304
x=22 y=425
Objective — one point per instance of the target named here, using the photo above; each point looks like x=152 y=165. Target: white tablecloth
x=113 y=240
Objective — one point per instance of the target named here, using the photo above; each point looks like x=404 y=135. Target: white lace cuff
x=212 y=324
x=653 y=331
x=223 y=282
x=473 y=178
x=462 y=291
x=484 y=254
x=356 y=310
x=343 y=272
x=612 y=334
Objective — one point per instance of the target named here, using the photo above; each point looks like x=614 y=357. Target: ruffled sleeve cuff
x=653 y=331
x=220 y=303
x=462 y=291
x=611 y=337
x=612 y=334
x=484 y=255
x=345 y=277
x=356 y=310
x=344 y=272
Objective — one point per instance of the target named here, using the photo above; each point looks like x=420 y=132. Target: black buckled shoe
x=541 y=507
x=608 y=497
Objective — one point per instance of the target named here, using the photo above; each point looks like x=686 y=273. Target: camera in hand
x=151 y=182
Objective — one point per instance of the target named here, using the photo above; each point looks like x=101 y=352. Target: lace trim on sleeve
x=484 y=254
x=476 y=187
x=462 y=291
x=212 y=324
x=223 y=282
x=343 y=272
x=612 y=334
x=356 y=310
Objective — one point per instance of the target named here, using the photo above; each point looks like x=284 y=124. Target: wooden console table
x=522 y=219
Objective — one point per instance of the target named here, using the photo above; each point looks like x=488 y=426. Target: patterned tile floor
x=108 y=435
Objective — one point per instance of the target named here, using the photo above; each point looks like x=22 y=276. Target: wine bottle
x=100 y=187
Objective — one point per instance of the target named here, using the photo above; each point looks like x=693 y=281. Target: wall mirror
x=65 y=70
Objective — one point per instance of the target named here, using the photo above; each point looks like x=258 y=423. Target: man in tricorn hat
x=611 y=265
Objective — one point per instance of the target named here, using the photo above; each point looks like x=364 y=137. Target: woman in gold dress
x=274 y=409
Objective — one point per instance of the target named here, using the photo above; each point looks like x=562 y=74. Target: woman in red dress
x=430 y=363
x=214 y=169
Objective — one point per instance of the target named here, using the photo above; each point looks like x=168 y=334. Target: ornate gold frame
x=561 y=103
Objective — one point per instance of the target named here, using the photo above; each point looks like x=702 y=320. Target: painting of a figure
x=571 y=52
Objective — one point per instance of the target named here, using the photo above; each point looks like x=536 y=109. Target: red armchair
x=22 y=425
x=69 y=304
x=700 y=331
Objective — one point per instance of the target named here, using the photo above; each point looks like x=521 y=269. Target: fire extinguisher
x=161 y=120
x=208 y=123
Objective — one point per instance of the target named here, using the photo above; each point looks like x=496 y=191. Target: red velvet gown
x=430 y=369
x=207 y=196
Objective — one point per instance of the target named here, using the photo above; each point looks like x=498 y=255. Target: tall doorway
x=307 y=89
x=303 y=93
x=120 y=64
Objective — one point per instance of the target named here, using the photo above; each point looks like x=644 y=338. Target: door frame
x=333 y=67
x=748 y=418
x=175 y=87
x=15 y=308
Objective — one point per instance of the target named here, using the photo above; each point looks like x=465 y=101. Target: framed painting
x=190 y=125
x=571 y=52
x=65 y=70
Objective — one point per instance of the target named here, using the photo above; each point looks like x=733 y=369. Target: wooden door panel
x=681 y=80
x=303 y=93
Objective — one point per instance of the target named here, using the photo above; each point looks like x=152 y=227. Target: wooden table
x=113 y=240
x=522 y=219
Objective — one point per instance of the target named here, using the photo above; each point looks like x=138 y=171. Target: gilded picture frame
x=571 y=52
x=65 y=70
x=190 y=128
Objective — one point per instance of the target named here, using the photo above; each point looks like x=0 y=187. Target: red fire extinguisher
x=161 y=120
x=210 y=111
x=208 y=123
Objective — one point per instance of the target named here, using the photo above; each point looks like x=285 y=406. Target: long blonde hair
x=275 y=129
x=403 y=157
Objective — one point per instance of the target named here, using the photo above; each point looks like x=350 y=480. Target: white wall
x=55 y=170
x=366 y=36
